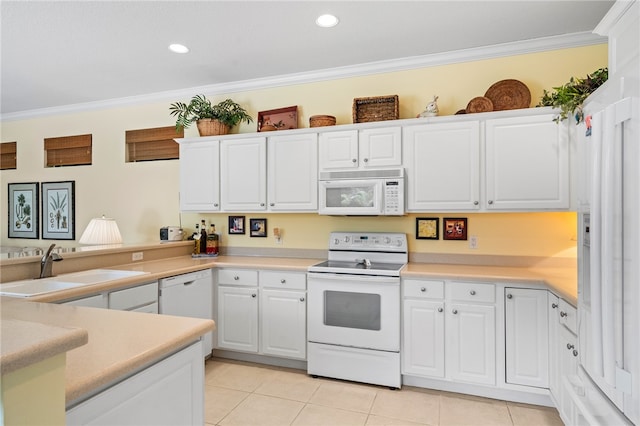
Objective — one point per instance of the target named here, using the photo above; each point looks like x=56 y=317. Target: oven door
x=354 y=310
x=351 y=197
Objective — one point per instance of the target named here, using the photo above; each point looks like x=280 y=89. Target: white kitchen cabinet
x=143 y=298
x=352 y=149
x=553 y=313
x=470 y=332
x=243 y=174
x=95 y=301
x=199 y=176
x=238 y=310
x=283 y=324
x=526 y=337
x=423 y=344
x=292 y=167
x=527 y=163
x=442 y=163
x=169 y=392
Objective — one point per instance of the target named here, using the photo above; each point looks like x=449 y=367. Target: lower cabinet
x=140 y=298
x=168 y=392
x=95 y=301
x=262 y=312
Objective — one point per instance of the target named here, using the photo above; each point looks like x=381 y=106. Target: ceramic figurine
x=431 y=109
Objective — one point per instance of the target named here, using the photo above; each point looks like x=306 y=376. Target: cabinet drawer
x=472 y=292
x=238 y=277
x=427 y=289
x=134 y=297
x=283 y=280
x=568 y=316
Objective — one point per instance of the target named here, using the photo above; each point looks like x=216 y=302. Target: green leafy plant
x=227 y=112
x=570 y=96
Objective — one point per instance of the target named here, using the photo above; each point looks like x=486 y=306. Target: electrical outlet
x=137 y=256
x=473 y=242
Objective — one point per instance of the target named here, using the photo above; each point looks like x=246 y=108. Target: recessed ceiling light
x=327 y=21
x=178 y=48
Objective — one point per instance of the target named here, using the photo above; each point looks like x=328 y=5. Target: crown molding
x=459 y=56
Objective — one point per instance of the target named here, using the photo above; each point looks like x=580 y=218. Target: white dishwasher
x=189 y=295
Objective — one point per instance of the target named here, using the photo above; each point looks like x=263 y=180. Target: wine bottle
x=212 y=240
x=203 y=237
x=196 y=240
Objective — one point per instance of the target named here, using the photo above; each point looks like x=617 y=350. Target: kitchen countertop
x=114 y=350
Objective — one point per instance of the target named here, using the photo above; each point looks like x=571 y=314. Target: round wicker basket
x=211 y=127
x=322 y=120
x=479 y=104
x=509 y=94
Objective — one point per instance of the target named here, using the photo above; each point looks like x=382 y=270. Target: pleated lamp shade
x=101 y=230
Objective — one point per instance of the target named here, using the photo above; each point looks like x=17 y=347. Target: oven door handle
x=370 y=279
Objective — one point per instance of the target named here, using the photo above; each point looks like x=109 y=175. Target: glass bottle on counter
x=212 y=240
x=203 y=237
x=196 y=240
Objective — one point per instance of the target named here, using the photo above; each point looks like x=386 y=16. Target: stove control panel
x=368 y=241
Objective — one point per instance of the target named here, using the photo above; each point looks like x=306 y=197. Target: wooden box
x=377 y=108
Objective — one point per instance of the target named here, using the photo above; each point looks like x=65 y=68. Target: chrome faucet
x=47 y=261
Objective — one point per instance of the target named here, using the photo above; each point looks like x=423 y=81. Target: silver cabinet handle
x=490 y=201
x=440 y=309
x=554 y=305
x=282 y=281
x=236 y=278
x=570 y=346
x=302 y=299
x=261 y=204
x=575 y=353
x=253 y=295
x=563 y=314
x=472 y=292
x=366 y=160
x=353 y=160
x=475 y=203
x=509 y=296
x=272 y=204
x=422 y=289
x=215 y=204
x=455 y=312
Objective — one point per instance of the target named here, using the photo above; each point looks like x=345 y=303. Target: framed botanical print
x=427 y=228
x=23 y=210
x=58 y=211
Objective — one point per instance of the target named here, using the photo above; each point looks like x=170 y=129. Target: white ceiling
x=58 y=53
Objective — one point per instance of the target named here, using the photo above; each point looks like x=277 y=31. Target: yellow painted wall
x=144 y=196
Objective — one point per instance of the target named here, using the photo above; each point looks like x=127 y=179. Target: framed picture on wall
x=23 y=210
x=58 y=211
x=427 y=228
x=454 y=228
x=258 y=227
x=278 y=119
x=236 y=225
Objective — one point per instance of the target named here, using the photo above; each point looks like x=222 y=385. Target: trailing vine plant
x=570 y=96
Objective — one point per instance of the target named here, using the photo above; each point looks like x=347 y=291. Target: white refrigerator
x=608 y=390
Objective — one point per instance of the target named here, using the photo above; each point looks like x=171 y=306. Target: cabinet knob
x=575 y=352
x=422 y=289
x=302 y=299
x=455 y=312
x=215 y=204
x=236 y=278
x=261 y=204
x=554 y=305
x=509 y=296
x=563 y=314
x=472 y=292
x=353 y=160
x=440 y=309
x=272 y=204
x=570 y=346
x=282 y=281
x=253 y=295
x=490 y=201
x=475 y=203
x=366 y=160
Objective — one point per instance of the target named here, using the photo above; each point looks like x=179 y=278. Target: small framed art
x=236 y=225
x=258 y=227
x=23 y=210
x=278 y=119
x=427 y=228
x=454 y=228
x=58 y=210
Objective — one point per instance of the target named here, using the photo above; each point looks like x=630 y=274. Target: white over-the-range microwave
x=373 y=192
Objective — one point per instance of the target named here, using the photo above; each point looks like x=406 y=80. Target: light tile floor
x=240 y=393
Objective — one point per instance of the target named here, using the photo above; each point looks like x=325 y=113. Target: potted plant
x=570 y=97
x=211 y=119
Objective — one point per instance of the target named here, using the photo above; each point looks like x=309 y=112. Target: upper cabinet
x=199 y=178
x=503 y=164
x=292 y=169
x=243 y=174
x=527 y=164
x=365 y=148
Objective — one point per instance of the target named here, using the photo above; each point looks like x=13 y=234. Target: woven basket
x=377 y=108
x=509 y=94
x=479 y=104
x=322 y=120
x=211 y=127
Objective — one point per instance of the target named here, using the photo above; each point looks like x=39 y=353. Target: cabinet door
x=471 y=343
x=238 y=318
x=380 y=147
x=554 y=330
x=423 y=338
x=527 y=163
x=283 y=323
x=442 y=162
x=527 y=337
x=97 y=301
x=243 y=169
x=293 y=173
x=338 y=150
x=568 y=366
x=199 y=178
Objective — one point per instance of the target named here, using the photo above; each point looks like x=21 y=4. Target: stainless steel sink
x=34 y=287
